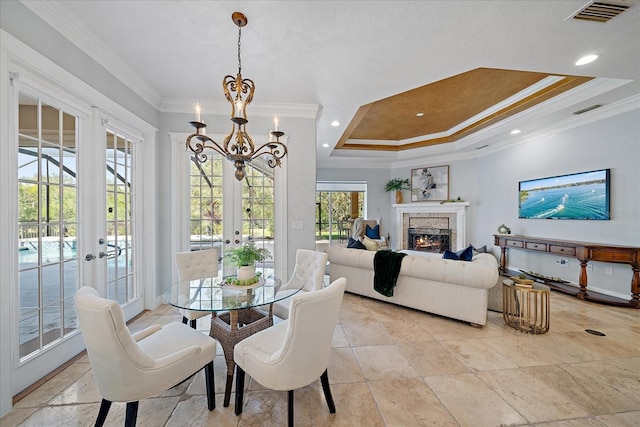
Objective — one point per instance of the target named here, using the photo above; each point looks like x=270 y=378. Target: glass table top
x=215 y=294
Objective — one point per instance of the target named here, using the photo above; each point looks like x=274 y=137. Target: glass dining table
x=238 y=311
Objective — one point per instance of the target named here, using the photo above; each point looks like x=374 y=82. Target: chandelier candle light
x=237 y=146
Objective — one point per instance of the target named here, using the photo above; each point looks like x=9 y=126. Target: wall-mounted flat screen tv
x=583 y=195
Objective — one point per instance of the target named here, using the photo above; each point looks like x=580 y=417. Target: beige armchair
x=360 y=228
x=194 y=265
x=132 y=367
x=295 y=352
x=310 y=267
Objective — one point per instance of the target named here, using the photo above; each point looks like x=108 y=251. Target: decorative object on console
x=430 y=184
x=397 y=185
x=238 y=146
x=543 y=278
x=503 y=229
x=582 y=195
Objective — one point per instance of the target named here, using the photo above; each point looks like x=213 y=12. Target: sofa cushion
x=461 y=255
x=370 y=244
x=355 y=244
x=372 y=233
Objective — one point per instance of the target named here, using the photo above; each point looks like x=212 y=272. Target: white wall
x=609 y=143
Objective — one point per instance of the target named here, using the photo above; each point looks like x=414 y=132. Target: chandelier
x=237 y=146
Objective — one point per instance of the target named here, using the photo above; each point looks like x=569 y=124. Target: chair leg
x=290 y=409
x=209 y=379
x=131 y=414
x=324 y=379
x=193 y=323
x=102 y=414
x=239 y=389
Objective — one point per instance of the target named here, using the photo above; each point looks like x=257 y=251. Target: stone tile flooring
x=393 y=366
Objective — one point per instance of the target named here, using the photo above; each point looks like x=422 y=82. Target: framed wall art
x=430 y=184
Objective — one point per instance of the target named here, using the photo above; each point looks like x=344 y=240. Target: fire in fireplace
x=429 y=239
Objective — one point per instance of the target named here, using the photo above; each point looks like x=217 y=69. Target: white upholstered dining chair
x=129 y=367
x=295 y=352
x=194 y=265
x=310 y=267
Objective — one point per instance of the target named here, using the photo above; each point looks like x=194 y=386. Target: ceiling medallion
x=237 y=146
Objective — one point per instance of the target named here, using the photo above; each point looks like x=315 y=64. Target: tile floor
x=393 y=366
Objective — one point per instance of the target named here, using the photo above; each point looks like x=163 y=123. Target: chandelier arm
x=277 y=150
x=201 y=144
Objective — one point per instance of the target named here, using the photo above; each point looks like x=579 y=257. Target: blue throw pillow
x=355 y=244
x=372 y=233
x=461 y=255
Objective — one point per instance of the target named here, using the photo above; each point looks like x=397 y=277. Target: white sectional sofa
x=456 y=289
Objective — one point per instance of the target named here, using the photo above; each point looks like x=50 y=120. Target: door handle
x=89 y=257
x=227 y=241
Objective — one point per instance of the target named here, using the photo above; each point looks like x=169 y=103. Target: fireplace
x=434 y=216
x=429 y=239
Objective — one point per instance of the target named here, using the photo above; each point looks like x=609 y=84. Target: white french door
x=213 y=209
x=76 y=225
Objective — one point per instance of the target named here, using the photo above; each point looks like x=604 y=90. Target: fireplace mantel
x=457 y=208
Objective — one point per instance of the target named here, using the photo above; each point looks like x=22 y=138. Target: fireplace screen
x=429 y=239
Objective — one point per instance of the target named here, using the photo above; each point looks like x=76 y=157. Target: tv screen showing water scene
x=582 y=195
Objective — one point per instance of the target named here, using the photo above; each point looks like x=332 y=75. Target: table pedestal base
x=232 y=327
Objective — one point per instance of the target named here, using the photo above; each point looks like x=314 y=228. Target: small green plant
x=397 y=184
x=247 y=254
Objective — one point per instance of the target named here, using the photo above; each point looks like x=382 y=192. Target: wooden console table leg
x=635 y=287
x=582 y=281
x=503 y=260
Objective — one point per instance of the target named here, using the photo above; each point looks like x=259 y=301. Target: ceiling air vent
x=599 y=11
x=584 y=110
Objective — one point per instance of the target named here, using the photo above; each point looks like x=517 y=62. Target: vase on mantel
x=398 y=197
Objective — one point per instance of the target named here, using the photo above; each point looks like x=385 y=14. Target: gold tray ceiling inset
x=447 y=104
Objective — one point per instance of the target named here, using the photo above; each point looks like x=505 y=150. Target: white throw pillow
x=370 y=244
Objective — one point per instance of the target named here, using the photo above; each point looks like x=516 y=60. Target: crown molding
x=257 y=109
x=56 y=15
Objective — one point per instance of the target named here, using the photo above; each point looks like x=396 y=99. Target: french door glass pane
x=47 y=222
x=206 y=202
x=119 y=194
x=258 y=195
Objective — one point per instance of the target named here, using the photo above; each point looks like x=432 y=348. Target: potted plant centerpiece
x=245 y=257
x=397 y=185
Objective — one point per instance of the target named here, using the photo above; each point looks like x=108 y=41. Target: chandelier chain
x=239 y=58
x=237 y=146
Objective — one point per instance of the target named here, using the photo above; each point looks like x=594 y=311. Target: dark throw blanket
x=386 y=268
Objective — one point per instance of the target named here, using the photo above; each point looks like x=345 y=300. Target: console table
x=584 y=252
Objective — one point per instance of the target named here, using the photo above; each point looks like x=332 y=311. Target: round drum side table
x=526 y=308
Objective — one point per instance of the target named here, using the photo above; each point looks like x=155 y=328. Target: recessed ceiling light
x=419 y=114
x=586 y=59
x=325 y=145
x=516 y=131
x=335 y=123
